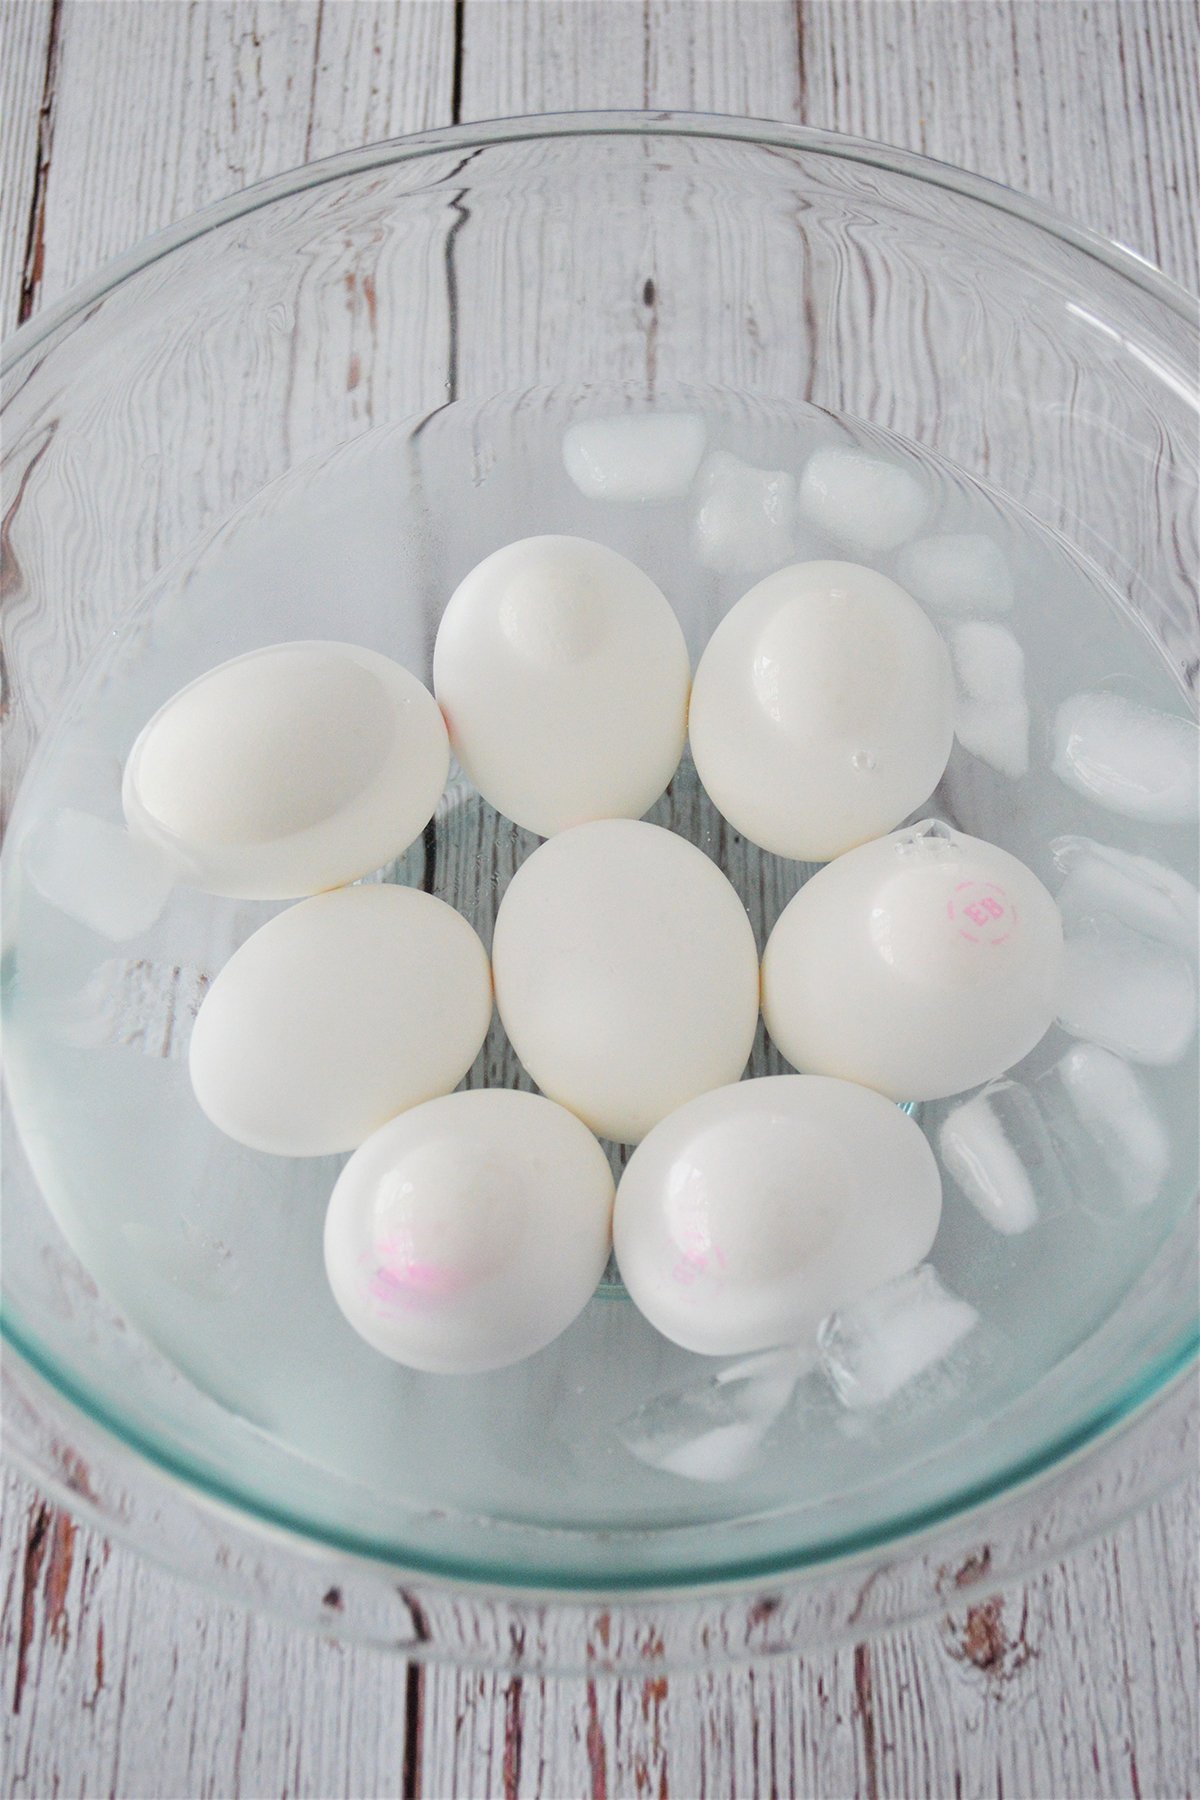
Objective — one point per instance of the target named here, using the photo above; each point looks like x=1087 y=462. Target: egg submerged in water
x=822 y=711
x=626 y=973
x=338 y=1014
x=563 y=675
x=469 y=1232
x=288 y=771
x=922 y=964
x=752 y=1212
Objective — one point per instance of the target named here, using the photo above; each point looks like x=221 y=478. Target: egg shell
x=469 y=1232
x=922 y=964
x=822 y=711
x=563 y=675
x=338 y=1014
x=752 y=1212
x=626 y=974
x=290 y=770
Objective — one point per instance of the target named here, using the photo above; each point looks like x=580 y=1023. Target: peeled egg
x=338 y=1014
x=822 y=711
x=563 y=676
x=288 y=771
x=755 y=1210
x=626 y=974
x=922 y=964
x=471 y=1231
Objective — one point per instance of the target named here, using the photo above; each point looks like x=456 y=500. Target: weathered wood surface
x=120 y=117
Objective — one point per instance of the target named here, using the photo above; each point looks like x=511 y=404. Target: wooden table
x=121 y=116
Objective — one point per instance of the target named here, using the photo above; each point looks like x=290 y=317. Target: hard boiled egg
x=563 y=676
x=920 y=965
x=755 y=1210
x=293 y=769
x=338 y=1014
x=626 y=974
x=469 y=1232
x=822 y=711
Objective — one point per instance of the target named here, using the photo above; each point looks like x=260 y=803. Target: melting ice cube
x=992 y=716
x=715 y=1430
x=638 y=457
x=1129 y=758
x=745 y=522
x=862 y=501
x=963 y=572
x=1141 y=893
x=1111 y=1104
x=97 y=874
x=871 y=1350
x=999 y=1152
x=1126 y=992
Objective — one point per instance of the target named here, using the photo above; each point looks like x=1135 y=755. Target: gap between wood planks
x=35 y=248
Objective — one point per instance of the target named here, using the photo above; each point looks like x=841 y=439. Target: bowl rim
x=483 y=134
x=1062 y=1447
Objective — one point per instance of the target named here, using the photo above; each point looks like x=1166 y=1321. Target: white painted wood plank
x=561 y=55
x=1027 y=1694
x=228 y=91
x=1089 y=107
x=25 y=85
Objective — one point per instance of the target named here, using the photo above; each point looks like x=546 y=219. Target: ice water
x=214 y=1251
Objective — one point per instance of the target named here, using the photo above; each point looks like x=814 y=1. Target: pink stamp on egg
x=982 y=913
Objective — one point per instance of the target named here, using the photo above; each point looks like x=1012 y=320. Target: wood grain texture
x=28 y=33
x=118 y=1679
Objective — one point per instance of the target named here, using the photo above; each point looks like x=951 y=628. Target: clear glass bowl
x=394 y=289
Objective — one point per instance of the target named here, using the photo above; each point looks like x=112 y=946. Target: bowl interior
x=309 y=417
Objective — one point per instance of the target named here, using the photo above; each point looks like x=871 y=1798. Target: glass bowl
x=438 y=296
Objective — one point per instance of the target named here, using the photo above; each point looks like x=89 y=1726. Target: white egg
x=922 y=964
x=626 y=974
x=755 y=1210
x=471 y=1231
x=822 y=711
x=338 y=1014
x=563 y=676
x=288 y=771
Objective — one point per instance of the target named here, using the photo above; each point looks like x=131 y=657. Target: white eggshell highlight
x=822 y=711
x=753 y=1211
x=469 y=1232
x=922 y=964
x=626 y=974
x=563 y=676
x=288 y=771
x=338 y=1014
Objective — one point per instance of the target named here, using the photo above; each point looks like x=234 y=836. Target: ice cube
x=1126 y=992
x=870 y=1350
x=989 y=662
x=1129 y=758
x=995 y=1146
x=862 y=501
x=97 y=874
x=1113 y=1106
x=997 y=735
x=1141 y=893
x=991 y=717
x=957 y=572
x=638 y=457
x=714 y=1431
x=745 y=522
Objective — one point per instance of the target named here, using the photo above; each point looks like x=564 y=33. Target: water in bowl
x=214 y=1251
